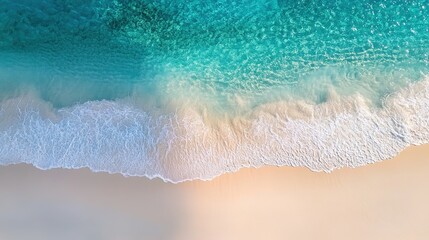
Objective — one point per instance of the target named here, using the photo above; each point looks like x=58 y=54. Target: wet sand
x=387 y=200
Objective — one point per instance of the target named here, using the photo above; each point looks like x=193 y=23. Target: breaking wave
x=122 y=137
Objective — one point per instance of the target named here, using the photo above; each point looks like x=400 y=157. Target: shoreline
x=386 y=200
x=187 y=145
x=184 y=181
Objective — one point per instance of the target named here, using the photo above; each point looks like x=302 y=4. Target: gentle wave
x=121 y=137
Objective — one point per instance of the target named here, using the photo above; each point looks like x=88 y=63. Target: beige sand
x=388 y=200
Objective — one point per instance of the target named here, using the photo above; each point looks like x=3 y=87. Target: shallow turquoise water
x=220 y=48
x=153 y=59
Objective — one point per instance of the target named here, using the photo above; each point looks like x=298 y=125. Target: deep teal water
x=215 y=56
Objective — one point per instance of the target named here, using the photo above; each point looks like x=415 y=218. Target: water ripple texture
x=192 y=89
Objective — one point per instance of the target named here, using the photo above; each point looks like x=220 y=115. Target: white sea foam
x=121 y=137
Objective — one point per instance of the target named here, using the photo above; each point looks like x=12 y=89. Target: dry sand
x=388 y=200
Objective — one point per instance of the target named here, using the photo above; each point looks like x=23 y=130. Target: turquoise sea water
x=191 y=89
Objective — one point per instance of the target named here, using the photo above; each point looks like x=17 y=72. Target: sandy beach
x=387 y=200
